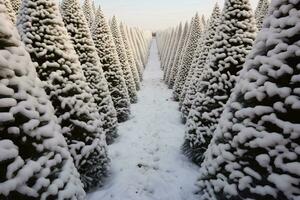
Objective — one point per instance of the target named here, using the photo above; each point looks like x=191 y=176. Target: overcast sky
x=157 y=14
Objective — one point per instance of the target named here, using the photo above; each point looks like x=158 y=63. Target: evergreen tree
x=254 y=153
x=15 y=5
x=200 y=57
x=46 y=39
x=88 y=11
x=124 y=60
x=10 y=11
x=186 y=62
x=261 y=12
x=34 y=159
x=111 y=66
x=139 y=64
x=179 y=52
x=81 y=37
x=219 y=75
x=131 y=60
x=176 y=46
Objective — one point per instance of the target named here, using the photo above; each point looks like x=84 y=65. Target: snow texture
x=146 y=161
x=34 y=158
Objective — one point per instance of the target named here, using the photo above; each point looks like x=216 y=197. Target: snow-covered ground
x=146 y=160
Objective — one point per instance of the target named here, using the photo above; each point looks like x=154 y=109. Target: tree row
x=67 y=77
x=236 y=77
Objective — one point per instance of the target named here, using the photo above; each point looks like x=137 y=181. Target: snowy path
x=146 y=160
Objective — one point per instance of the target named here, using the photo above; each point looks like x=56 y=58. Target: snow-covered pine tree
x=261 y=12
x=196 y=30
x=63 y=79
x=10 y=11
x=81 y=38
x=170 y=51
x=128 y=75
x=88 y=11
x=199 y=61
x=138 y=63
x=174 y=68
x=140 y=46
x=254 y=153
x=94 y=8
x=167 y=48
x=219 y=75
x=111 y=66
x=172 y=60
x=203 y=21
x=34 y=159
x=15 y=5
x=137 y=52
x=130 y=58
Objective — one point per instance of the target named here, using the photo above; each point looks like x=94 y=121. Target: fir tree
x=88 y=11
x=79 y=32
x=175 y=48
x=111 y=66
x=219 y=75
x=124 y=60
x=254 y=153
x=186 y=62
x=139 y=64
x=46 y=39
x=15 y=5
x=129 y=54
x=34 y=159
x=200 y=57
x=179 y=52
x=261 y=12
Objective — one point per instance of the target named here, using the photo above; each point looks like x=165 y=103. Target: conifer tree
x=10 y=11
x=174 y=68
x=254 y=153
x=15 y=5
x=173 y=58
x=219 y=75
x=187 y=59
x=124 y=60
x=81 y=37
x=129 y=55
x=111 y=66
x=139 y=64
x=34 y=158
x=63 y=79
x=88 y=11
x=261 y=12
x=200 y=57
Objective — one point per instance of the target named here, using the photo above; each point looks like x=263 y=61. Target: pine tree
x=200 y=57
x=15 y=5
x=219 y=74
x=173 y=58
x=81 y=37
x=186 y=62
x=174 y=68
x=129 y=55
x=139 y=64
x=124 y=60
x=254 y=153
x=46 y=39
x=34 y=158
x=10 y=11
x=88 y=11
x=111 y=66
x=261 y=12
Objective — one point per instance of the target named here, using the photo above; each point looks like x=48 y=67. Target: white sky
x=158 y=14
